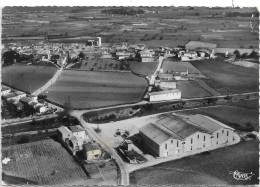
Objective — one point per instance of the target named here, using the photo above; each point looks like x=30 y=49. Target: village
x=93 y=111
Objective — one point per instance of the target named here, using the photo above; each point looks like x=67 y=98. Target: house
x=164 y=95
x=18 y=105
x=20 y=94
x=33 y=97
x=40 y=108
x=14 y=96
x=26 y=100
x=174 y=134
x=91 y=151
x=5 y=90
x=76 y=143
x=122 y=55
x=64 y=133
x=106 y=55
x=78 y=131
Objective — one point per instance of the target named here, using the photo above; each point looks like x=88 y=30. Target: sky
x=208 y=3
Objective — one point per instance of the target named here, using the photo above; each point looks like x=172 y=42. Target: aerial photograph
x=130 y=95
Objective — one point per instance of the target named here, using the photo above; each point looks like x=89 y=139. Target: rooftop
x=76 y=128
x=91 y=146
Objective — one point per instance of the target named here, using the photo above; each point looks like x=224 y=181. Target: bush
x=212 y=100
x=23 y=139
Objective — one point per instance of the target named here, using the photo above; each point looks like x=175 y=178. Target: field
x=170 y=27
x=27 y=78
x=235 y=116
x=190 y=89
x=44 y=162
x=88 y=89
x=204 y=169
x=144 y=68
x=227 y=78
x=101 y=65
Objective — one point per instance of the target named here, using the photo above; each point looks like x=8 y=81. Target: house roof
x=10 y=95
x=76 y=128
x=91 y=146
x=26 y=99
x=64 y=130
x=198 y=44
x=165 y=92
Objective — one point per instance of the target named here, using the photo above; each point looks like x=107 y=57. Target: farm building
x=200 y=45
x=91 y=151
x=165 y=95
x=174 y=134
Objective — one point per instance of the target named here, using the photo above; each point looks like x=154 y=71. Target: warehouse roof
x=157 y=133
x=179 y=126
x=205 y=122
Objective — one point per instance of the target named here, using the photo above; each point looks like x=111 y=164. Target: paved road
x=124 y=179
x=26 y=120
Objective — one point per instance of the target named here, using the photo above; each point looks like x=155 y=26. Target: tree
x=161 y=38
x=253 y=54
x=11 y=57
x=244 y=55
x=237 y=53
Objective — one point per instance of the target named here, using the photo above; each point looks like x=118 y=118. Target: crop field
x=44 y=162
x=88 y=89
x=235 y=116
x=204 y=169
x=144 y=68
x=27 y=78
x=102 y=65
x=228 y=78
x=191 y=89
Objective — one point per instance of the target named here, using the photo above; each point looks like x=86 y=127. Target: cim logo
x=241 y=175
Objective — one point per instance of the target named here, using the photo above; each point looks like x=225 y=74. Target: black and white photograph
x=128 y=93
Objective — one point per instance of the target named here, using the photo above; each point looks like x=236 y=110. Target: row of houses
x=20 y=99
x=175 y=134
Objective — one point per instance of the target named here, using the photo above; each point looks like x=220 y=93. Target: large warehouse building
x=174 y=134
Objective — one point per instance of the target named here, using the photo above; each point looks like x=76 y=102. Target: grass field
x=233 y=116
x=202 y=169
x=144 y=68
x=227 y=78
x=27 y=78
x=45 y=162
x=190 y=89
x=88 y=89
